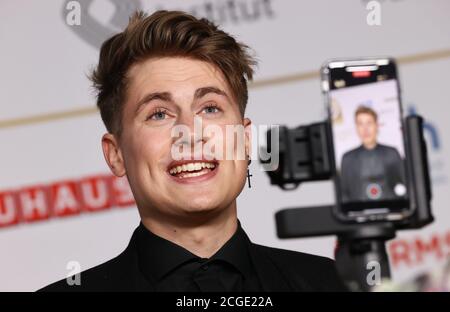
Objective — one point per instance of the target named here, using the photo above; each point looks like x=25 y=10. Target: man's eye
x=158 y=115
x=211 y=109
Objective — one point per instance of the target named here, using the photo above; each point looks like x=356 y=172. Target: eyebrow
x=167 y=96
x=201 y=92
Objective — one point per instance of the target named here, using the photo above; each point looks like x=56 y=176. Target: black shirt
x=171 y=267
x=371 y=174
x=151 y=263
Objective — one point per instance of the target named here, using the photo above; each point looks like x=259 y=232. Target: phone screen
x=369 y=148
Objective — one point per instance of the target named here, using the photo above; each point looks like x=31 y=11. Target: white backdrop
x=50 y=132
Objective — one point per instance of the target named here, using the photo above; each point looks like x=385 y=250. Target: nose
x=188 y=134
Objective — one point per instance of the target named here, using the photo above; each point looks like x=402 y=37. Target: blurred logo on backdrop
x=94 y=21
x=436 y=158
x=91 y=28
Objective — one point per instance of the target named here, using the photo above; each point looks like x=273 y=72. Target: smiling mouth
x=192 y=169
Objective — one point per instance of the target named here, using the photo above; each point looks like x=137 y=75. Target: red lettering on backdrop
x=399 y=252
x=121 y=192
x=447 y=242
x=96 y=193
x=8 y=209
x=34 y=203
x=64 y=199
x=423 y=248
x=418 y=250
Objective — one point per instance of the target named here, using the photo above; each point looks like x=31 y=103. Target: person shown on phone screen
x=372 y=171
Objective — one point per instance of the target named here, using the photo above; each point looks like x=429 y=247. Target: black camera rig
x=305 y=155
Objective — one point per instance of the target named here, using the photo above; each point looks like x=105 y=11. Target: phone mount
x=361 y=257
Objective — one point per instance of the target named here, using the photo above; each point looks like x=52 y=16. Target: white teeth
x=196 y=166
x=193 y=174
x=191 y=167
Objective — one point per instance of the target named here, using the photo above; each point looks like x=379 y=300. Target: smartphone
x=370 y=161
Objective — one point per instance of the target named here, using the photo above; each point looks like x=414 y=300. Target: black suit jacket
x=277 y=269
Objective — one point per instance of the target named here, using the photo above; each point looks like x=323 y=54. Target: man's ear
x=248 y=136
x=113 y=155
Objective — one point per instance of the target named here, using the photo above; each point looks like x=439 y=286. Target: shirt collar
x=158 y=256
x=236 y=252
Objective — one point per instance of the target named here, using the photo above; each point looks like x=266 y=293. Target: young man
x=163 y=72
x=372 y=170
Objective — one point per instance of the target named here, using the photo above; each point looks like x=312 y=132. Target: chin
x=201 y=206
x=199 y=211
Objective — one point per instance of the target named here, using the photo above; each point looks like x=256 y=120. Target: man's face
x=367 y=129
x=164 y=93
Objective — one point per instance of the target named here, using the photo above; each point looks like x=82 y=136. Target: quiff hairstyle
x=366 y=110
x=166 y=34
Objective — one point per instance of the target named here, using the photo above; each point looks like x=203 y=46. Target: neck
x=370 y=145
x=202 y=236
